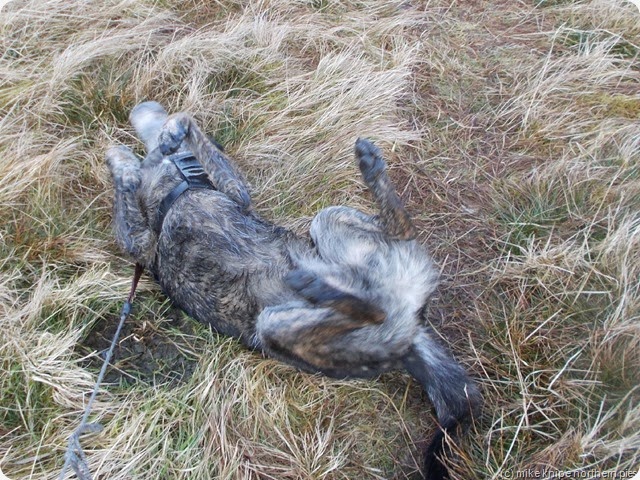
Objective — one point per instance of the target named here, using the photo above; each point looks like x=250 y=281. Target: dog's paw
x=124 y=167
x=119 y=156
x=173 y=133
x=370 y=159
x=240 y=195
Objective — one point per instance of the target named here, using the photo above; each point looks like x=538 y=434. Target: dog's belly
x=220 y=265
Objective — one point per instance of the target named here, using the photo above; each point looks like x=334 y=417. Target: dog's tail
x=148 y=118
x=454 y=396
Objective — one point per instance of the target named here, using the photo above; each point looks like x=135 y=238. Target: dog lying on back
x=345 y=302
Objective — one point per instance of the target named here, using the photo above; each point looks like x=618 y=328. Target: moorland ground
x=512 y=130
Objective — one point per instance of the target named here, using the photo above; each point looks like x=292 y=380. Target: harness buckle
x=193 y=176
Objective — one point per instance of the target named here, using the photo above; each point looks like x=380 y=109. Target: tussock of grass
x=512 y=134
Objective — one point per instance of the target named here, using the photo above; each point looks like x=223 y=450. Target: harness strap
x=193 y=176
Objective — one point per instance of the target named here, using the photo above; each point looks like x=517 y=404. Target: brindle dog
x=347 y=302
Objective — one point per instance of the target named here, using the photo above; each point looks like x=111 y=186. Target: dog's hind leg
x=223 y=172
x=319 y=293
x=318 y=339
x=132 y=233
x=393 y=216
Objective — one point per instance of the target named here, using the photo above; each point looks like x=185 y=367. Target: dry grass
x=513 y=132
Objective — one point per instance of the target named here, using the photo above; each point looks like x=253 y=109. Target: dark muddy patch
x=149 y=350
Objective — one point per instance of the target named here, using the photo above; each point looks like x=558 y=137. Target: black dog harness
x=193 y=176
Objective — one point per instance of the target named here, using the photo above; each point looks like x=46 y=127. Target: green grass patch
x=101 y=93
x=585 y=40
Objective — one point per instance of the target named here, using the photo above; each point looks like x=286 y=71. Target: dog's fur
x=346 y=303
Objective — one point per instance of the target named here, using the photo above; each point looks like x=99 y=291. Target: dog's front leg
x=132 y=232
x=223 y=172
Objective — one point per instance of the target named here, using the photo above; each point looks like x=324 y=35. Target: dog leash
x=74 y=456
